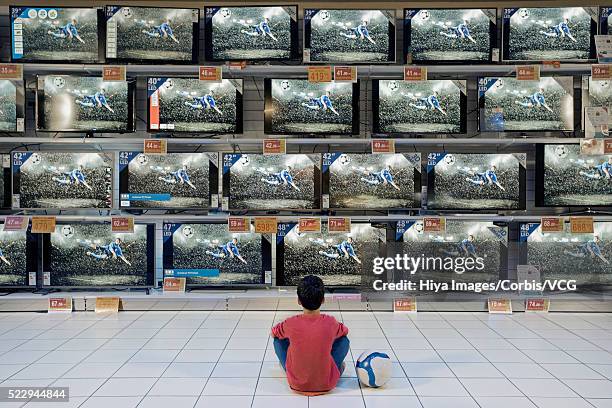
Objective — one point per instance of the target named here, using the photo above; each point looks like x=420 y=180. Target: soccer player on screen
x=230 y=249
x=344 y=250
x=360 y=32
x=460 y=31
x=535 y=100
x=162 y=31
x=74 y=176
x=112 y=250
x=97 y=100
x=603 y=170
x=486 y=178
x=67 y=31
x=3 y=258
x=283 y=178
x=179 y=176
x=205 y=102
x=560 y=30
x=464 y=248
x=321 y=103
x=431 y=102
x=590 y=248
x=261 y=29
x=383 y=177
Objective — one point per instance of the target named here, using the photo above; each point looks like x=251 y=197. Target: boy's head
x=311 y=292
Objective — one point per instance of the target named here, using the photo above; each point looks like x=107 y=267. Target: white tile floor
x=225 y=359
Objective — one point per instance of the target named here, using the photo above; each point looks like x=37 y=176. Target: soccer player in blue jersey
x=560 y=30
x=230 y=249
x=590 y=248
x=69 y=30
x=431 y=102
x=74 y=176
x=283 y=178
x=345 y=250
x=3 y=258
x=162 y=31
x=383 y=177
x=535 y=100
x=205 y=102
x=603 y=170
x=321 y=103
x=464 y=248
x=360 y=32
x=180 y=176
x=460 y=31
x=96 y=100
x=261 y=29
x=486 y=178
x=113 y=250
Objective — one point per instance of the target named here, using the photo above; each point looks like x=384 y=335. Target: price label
x=434 y=224
x=590 y=147
x=60 y=305
x=107 y=304
x=412 y=73
x=528 y=72
x=552 y=64
x=537 y=305
x=320 y=74
x=581 y=225
x=16 y=223
x=239 y=224
x=405 y=305
x=381 y=146
x=339 y=225
x=552 y=224
x=274 y=146
x=309 y=224
x=345 y=74
x=11 y=71
x=211 y=74
x=122 y=224
x=265 y=225
x=500 y=306
x=43 y=225
x=175 y=285
x=607 y=146
x=113 y=73
x=601 y=72
x=237 y=65
x=155 y=146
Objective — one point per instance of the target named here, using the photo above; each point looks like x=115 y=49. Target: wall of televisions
x=489 y=152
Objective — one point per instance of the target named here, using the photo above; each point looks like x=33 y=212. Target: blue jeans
x=339 y=350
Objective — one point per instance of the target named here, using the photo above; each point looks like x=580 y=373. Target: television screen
x=191 y=105
x=349 y=36
x=55 y=34
x=296 y=106
x=549 y=34
x=12 y=106
x=467 y=251
x=567 y=178
x=208 y=254
x=507 y=104
x=62 y=180
x=372 y=181
x=272 y=182
x=173 y=180
x=140 y=34
x=487 y=181
x=434 y=106
x=251 y=33
x=605 y=20
x=340 y=259
x=596 y=94
x=70 y=103
x=457 y=35
x=17 y=259
x=90 y=255
x=585 y=257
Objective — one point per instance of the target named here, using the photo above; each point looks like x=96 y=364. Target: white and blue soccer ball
x=524 y=13
x=188 y=231
x=374 y=368
x=225 y=12
x=35 y=159
x=424 y=15
x=449 y=159
x=561 y=151
x=324 y=15
x=67 y=231
x=344 y=159
x=142 y=159
x=285 y=85
x=393 y=86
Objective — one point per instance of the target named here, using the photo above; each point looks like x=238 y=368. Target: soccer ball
x=35 y=158
x=419 y=227
x=244 y=160
x=561 y=151
x=449 y=159
x=285 y=86
x=142 y=159
x=324 y=15
x=344 y=159
x=127 y=12
x=424 y=15
x=499 y=84
x=393 y=86
x=374 y=368
x=169 y=84
x=59 y=82
x=603 y=84
x=225 y=12
x=524 y=13
x=188 y=231
x=67 y=231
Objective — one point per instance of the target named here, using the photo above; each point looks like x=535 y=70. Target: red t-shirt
x=310 y=367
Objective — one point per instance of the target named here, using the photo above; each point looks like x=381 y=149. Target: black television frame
x=32 y=255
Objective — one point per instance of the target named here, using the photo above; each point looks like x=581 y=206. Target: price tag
x=113 y=73
x=274 y=146
x=528 y=72
x=60 y=305
x=43 y=225
x=537 y=305
x=552 y=64
x=345 y=74
x=601 y=72
x=175 y=285
x=211 y=74
x=11 y=71
x=122 y=224
x=155 y=146
x=237 y=65
x=412 y=73
x=552 y=224
x=239 y=224
x=607 y=146
x=581 y=225
x=339 y=225
x=309 y=224
x=500 y=306
x=16 y=223
x=107 y=304
x=434 y=224
x=265 y=225
x=320 y=74
x=405 y=305
x=381 y=146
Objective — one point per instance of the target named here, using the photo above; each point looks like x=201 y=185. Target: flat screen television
x=471 y=181
x=209 y=255
x=18 y=258
x=272 y=182
x=349 y=36
x=252 y=33
x=188 y=105
x=433 y=106
x=372 y=181
x=596 y=93
x=152 y=34
x=455 y=35
x=566 y=178
x=296 y=106
x=507 y=104
x=605 y=20
x=549 y=34
x=74 y=103
x=89 y=255
x=6 y=181
x=56 y=34
x=170 y=181
x=62 y=180
x=340 y=259
x=12 y=106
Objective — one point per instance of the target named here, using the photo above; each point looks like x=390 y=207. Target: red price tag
x=339 y=225
x=113 y=73
x=211 y=74
x=11 y=71
x=175 y=285
x=405 y=305
x=122 y=224
x=528 y=72
x=265 y=225
x=552 y=224
x=537 y=305
x=155 y=146
x=381 y=146
x=320 y=74
x=60 y=305
x=412 y=73
x=239 y=224
x=16 y=223
x=434 y=224
x=274 y=146
x=345 y=74
x=600 y=72
x=553 y=64
x=607 y=146
x=309 y=224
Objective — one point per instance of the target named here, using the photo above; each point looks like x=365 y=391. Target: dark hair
x=311 y=292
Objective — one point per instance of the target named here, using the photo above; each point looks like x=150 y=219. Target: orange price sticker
x=607 y=146
x=175 y=285
x=434 y=224
x=274 y=146
x=412 y=73
x=155 y=146
x=528 y=72
x=381 y=146
x=581 y=225
x=11 y=71
x=345 y=74
x=405 y=305
x=552 y=224
x=122 y=224
x=107 y=304
x=537 y=305
x=60 y=305
x=43 y=225
x=339 y=224
x=113 y=73
x=553 y=64
x=309 y=224
x=601 y=72
x=265 y=225
x=500 y=306
x=320 y=74
x=16 y=223
x=239 y=224
x=211 y=74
